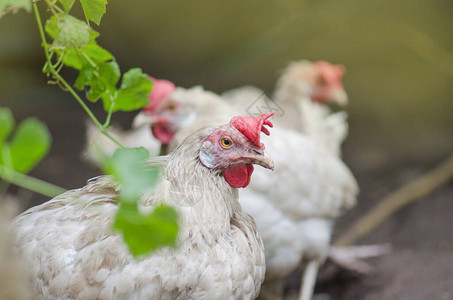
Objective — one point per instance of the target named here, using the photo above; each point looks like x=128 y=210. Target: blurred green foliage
x=21 y=149
x=26 y=147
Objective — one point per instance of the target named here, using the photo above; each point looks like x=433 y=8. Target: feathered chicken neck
x=201 y=195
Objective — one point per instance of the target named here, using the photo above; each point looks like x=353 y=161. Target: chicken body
x=75 y=255
x=208 y=107
x=295 y=208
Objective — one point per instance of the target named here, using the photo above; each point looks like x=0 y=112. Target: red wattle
x=239 y=176
x=161 y=133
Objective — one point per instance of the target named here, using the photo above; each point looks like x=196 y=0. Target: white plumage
x=73 y=253
x=296 y=207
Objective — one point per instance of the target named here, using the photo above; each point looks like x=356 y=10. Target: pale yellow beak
x=260 y=157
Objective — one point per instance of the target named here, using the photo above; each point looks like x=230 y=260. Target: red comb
x=161 y=89
x=331 y=73
x=251 y=127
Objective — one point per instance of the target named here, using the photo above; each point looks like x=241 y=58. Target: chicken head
x=163 y=114
x=321 y=81
x=233 y=148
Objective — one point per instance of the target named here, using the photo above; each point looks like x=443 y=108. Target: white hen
x=296 y=209
x=75 y=255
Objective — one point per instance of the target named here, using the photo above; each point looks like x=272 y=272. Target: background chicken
x=73 y=253
x=301 y=95
x=296 y=209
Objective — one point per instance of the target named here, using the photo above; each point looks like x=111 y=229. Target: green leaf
x=100 y=81
x=146 y=233
x=95 y=52
x=6 y=124
x=110 y=73
x=136 y=80
x=127 y=167
x=51 y=27
x=93 y=9
x=29 y=145
x=74 y=59
x=73 y=33
x=67 y=4
x=93 y=35
x=7 y=6
x=133 y=93
x=105 y=84
x=97 y=89
x=86 y=74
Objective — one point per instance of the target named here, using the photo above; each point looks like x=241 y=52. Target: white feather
x=74 y=254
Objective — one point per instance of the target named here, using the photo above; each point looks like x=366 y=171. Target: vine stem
x=30 y=183
x=60 y=79
x=397 y=200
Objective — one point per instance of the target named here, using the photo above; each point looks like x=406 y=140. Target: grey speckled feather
x=74 y=255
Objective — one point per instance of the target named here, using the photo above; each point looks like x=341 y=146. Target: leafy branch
x=73 y=44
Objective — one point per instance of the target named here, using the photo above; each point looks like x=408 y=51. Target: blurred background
x=399 y=61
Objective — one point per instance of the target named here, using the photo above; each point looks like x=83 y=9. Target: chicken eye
x=171 y=107
x=226 y=142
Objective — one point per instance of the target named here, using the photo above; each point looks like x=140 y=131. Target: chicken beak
x=340 y=97
x=260 y=157
x=147 y=119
